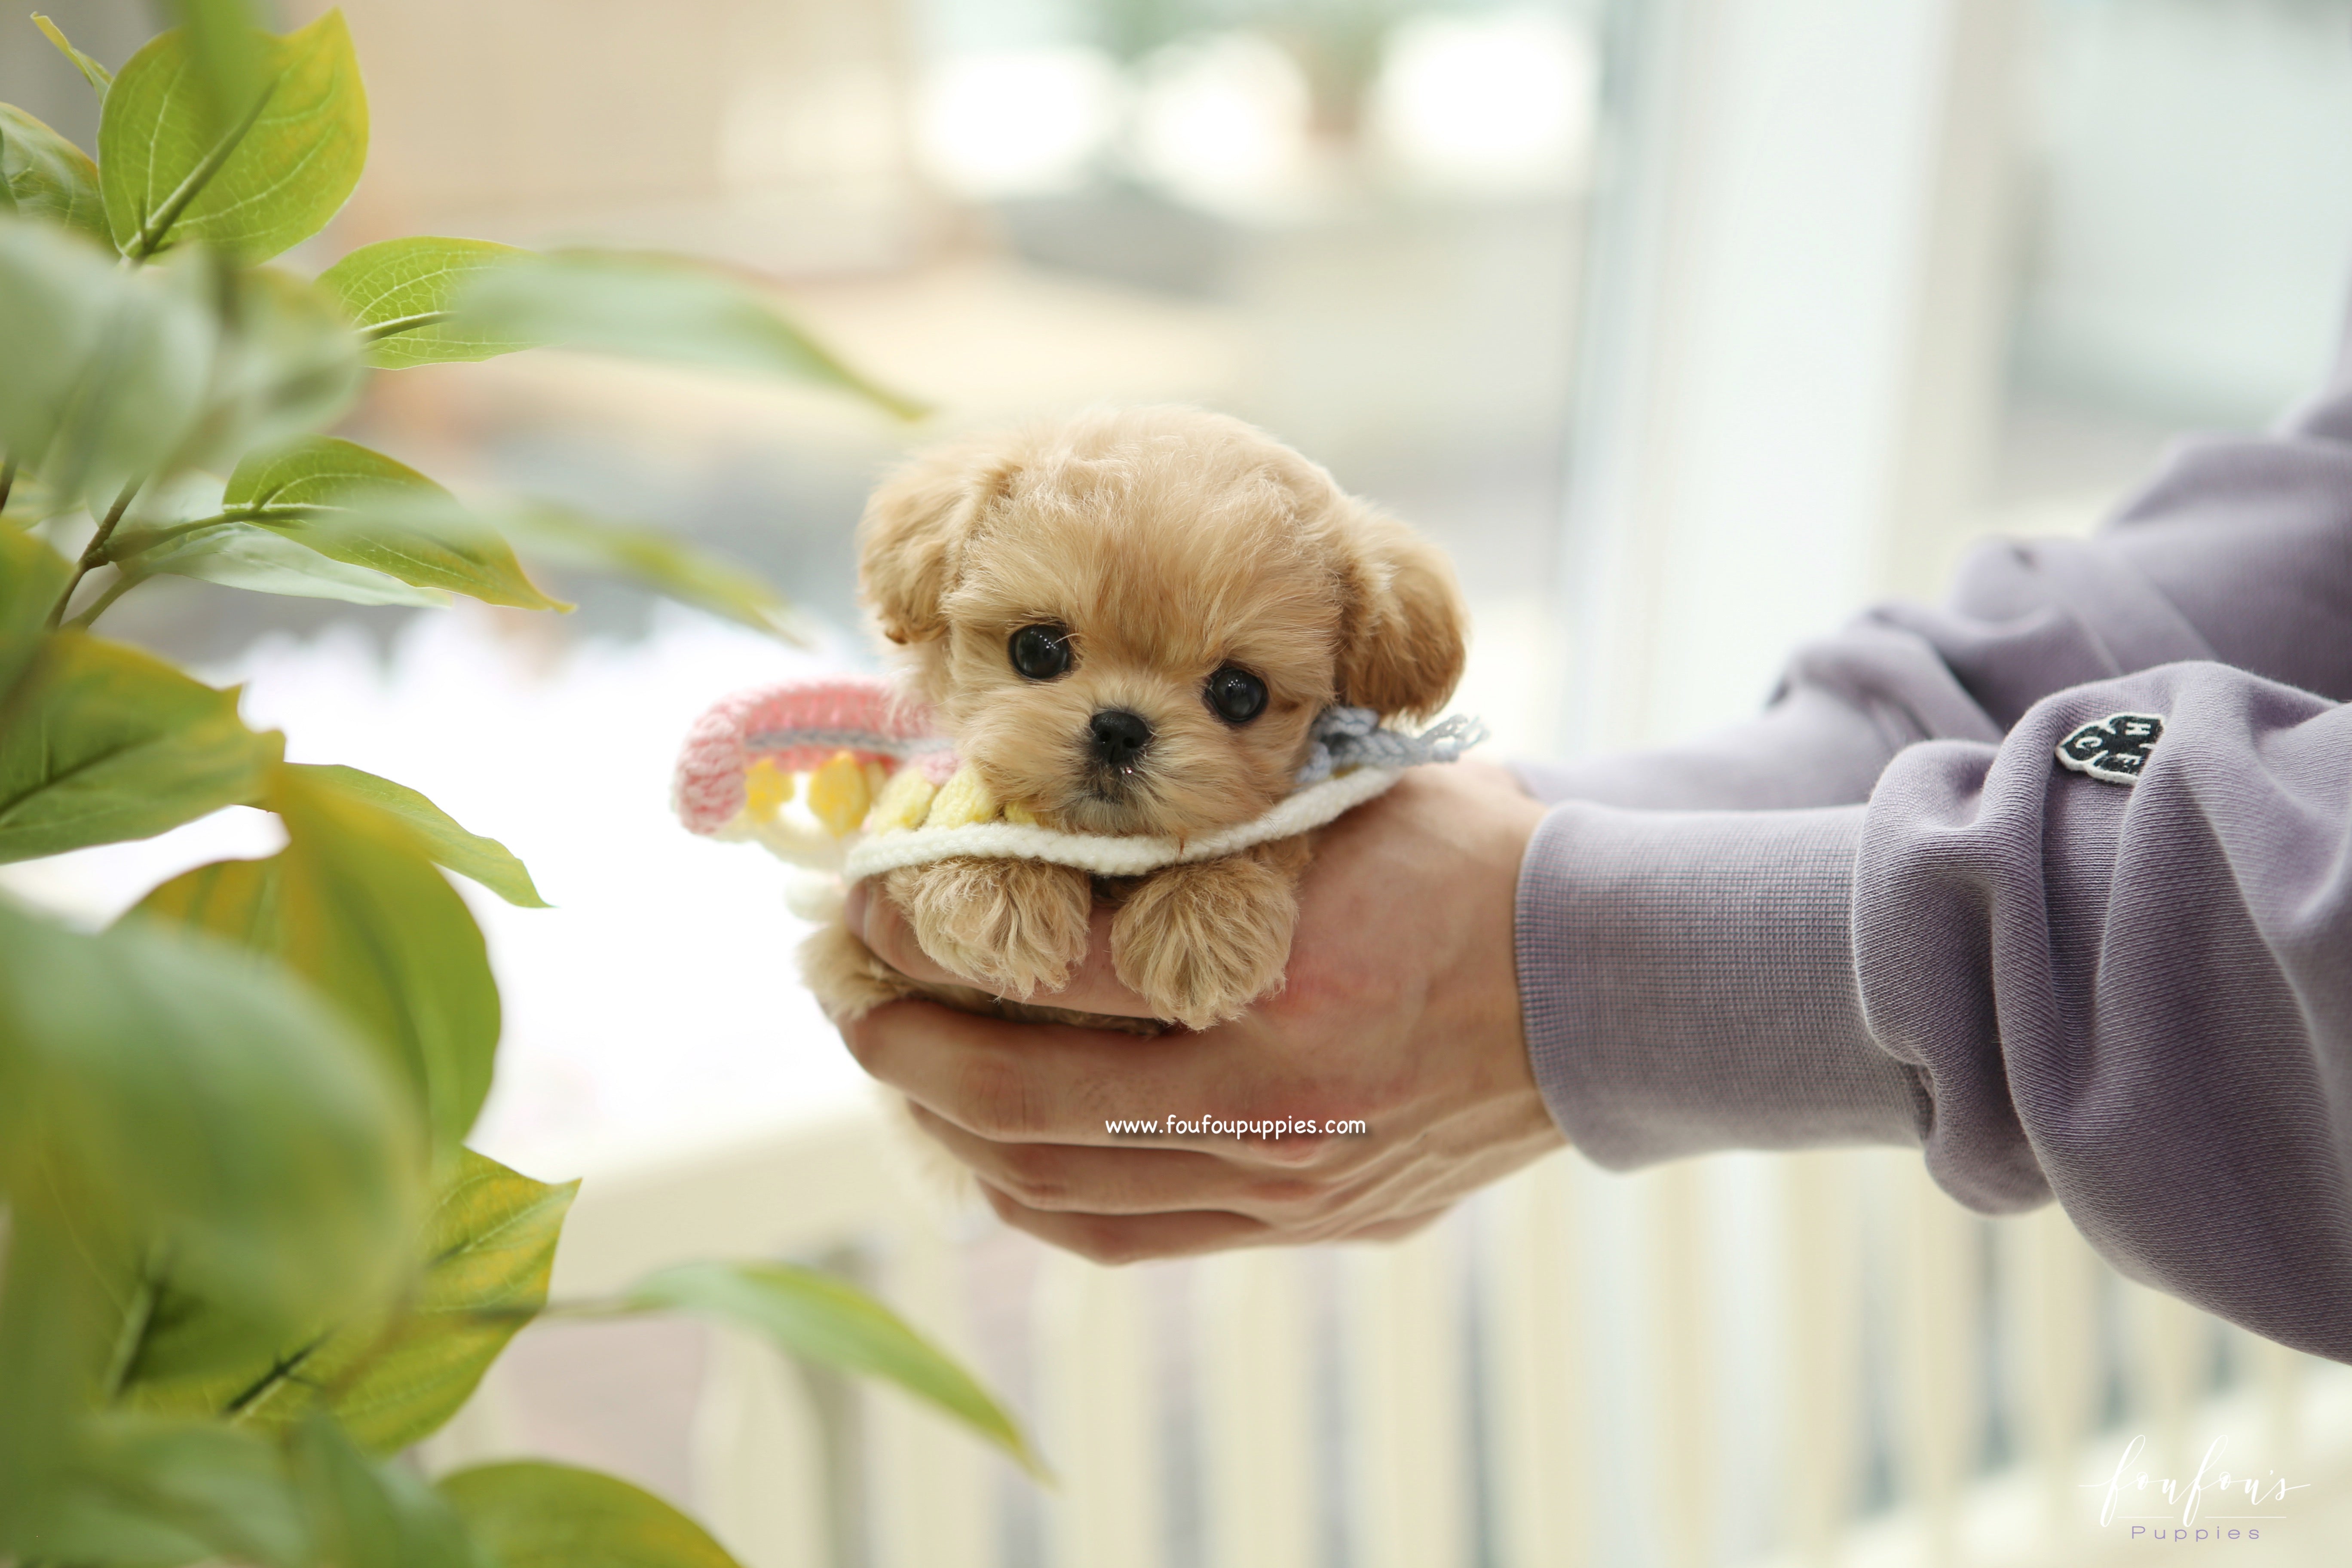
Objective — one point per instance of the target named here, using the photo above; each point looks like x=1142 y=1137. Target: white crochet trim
x=1108 y=855
x=802 y=843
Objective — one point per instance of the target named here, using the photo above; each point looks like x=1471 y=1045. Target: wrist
x=1687 y=985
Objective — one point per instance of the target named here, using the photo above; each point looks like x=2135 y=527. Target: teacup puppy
x=1127 y=622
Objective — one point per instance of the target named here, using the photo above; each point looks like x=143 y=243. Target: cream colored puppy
x=1128 y=622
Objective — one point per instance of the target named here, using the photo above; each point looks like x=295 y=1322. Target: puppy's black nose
x=1119 y=736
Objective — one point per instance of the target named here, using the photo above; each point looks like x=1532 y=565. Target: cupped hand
x=1400 y=1013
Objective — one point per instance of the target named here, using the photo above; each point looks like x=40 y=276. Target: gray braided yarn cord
x=1352 y=738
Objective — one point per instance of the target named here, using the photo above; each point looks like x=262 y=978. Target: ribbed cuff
x=1687 y=985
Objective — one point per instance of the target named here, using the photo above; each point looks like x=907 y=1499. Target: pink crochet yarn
x=799 y=726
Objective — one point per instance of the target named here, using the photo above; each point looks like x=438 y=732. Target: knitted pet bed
x=880 y=788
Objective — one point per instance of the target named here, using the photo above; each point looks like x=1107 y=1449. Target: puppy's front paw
x=1020 y=925
x=848 y=980
x=1202 y=942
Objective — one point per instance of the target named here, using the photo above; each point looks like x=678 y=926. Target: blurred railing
x=1795 y=1360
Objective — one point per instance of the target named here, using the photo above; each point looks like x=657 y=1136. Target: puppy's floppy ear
x=1401 y=648
x=910 y=539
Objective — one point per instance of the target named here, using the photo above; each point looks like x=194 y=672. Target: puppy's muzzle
x=1119 y=737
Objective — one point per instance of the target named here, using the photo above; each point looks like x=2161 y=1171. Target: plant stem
x=134 y=1337
x=141 y=543
x=96 y=554
x=105 y=600
x=8 y=478
x=400 y=324
x=279 y=1371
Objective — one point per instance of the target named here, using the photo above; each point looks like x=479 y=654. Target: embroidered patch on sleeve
x=2115 y=749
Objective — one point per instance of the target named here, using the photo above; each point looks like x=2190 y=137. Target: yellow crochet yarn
x=766 y=788
x=845 y=796
x=910 y=801
x=905 y=801
x=839 y=793
x=963 y=799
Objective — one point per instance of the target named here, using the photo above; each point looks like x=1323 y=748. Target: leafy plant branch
x=94 y=555
x=246 y=1256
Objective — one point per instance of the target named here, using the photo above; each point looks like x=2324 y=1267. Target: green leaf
x=111 y=1490
x=106 y=371
x=176 y=528
x=656 y=308
x=491 y=1251
x=32 y=575
x=30 y=502
x=192 y=1106
x=115 y=375
x=652 y=558
x=535 y=1515
x=353 y=905
x=98 y=76
x=236 y=900
x=246 y=555
x=225 y=54
x=486 y=860
x=47 y=176
x=157 y=1494
x=401 y=294
x=56 y=1322
x=391 y=1377
x=829 y=1321
x=105 y=743
x=269 y=178
x=287 y=363
x=361 y=507
x=362 y=1514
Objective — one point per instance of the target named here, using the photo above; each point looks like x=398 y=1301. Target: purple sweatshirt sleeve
x=1885 y=912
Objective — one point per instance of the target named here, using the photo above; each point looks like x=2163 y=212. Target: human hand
x=1402 y=1011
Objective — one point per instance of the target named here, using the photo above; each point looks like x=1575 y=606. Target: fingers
x=1130 y=1238
x=1019 y=1083
x=1398 y=1228
x=1053 y=1083
x=1093 y=988
x=1024 y=1082
x=1065 y=1178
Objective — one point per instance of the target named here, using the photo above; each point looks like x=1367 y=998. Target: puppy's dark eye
x=1236 y=695
x=1041 y=652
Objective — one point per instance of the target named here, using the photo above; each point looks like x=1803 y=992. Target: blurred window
x=2186 y=218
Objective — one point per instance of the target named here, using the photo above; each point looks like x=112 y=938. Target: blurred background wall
x=1876 y=280
x=2042 y=237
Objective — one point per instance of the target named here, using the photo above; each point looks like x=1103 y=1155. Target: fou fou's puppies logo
x=2217 y=1504
x=2115 y=749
